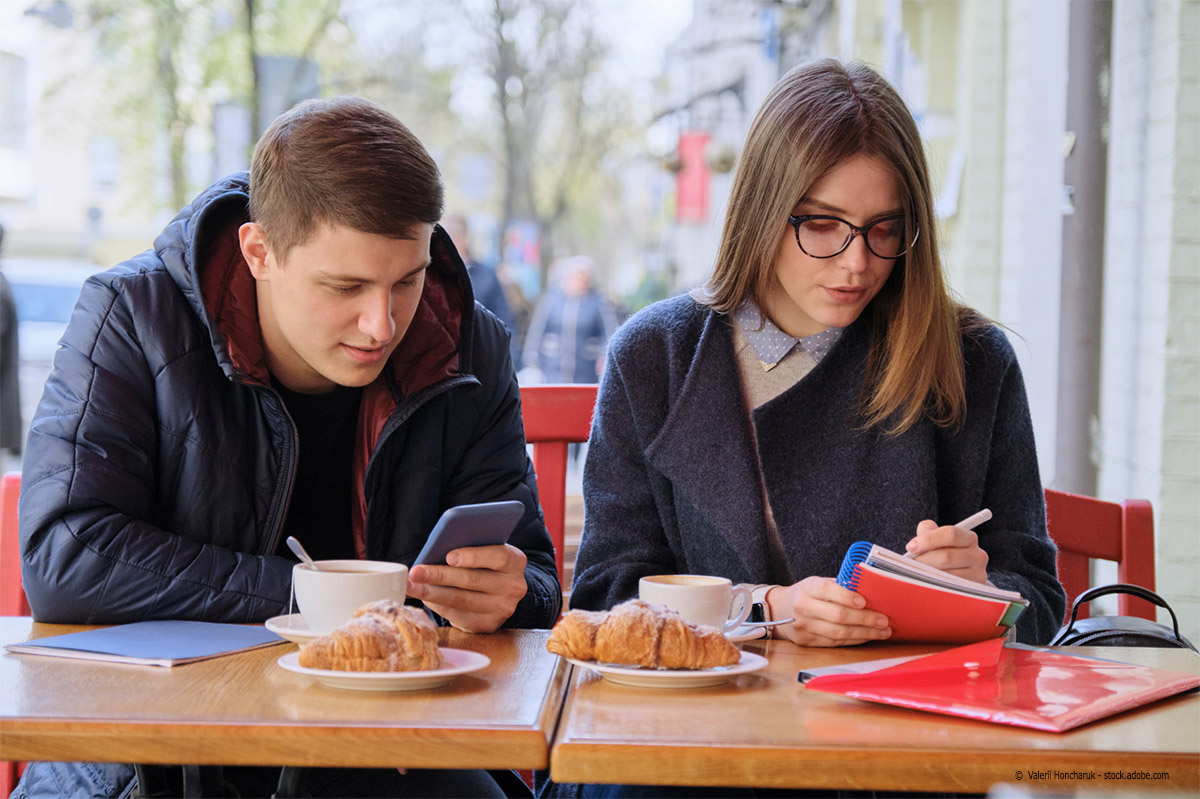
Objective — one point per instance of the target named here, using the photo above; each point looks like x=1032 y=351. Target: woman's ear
x=254 y=249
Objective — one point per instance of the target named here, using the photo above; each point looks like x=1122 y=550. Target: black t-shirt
x=319 y=513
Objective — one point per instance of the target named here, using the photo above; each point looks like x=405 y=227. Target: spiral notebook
x=924 y=603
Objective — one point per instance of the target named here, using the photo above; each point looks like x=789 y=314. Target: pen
x=969 y=523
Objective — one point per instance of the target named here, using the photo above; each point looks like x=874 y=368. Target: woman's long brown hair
x=817 y=116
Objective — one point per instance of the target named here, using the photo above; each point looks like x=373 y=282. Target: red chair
x=555 y=416
x=1086 y=527
x=12 y=597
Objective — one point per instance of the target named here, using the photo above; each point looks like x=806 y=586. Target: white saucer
x=674 y=678
x=744 y=634
x=457 y=661
x=292 y=627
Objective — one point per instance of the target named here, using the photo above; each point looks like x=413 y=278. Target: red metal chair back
x=12 y=597
x=1085 y=528
x=556 y=415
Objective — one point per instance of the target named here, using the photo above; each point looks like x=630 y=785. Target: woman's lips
x=846 y=294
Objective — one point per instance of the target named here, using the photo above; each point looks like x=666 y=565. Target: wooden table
x=244 y=709
x=764 y=729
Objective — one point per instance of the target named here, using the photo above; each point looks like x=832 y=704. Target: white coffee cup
x=698 y=598
x=328 y=598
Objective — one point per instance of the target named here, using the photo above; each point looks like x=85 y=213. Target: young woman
x=823 y=388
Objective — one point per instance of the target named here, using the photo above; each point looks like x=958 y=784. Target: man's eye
x=343 y=289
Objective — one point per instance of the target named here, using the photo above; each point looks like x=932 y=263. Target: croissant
x=636 y=633
x=382 y=636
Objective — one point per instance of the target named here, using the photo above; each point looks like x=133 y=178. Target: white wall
x=972 y=235
x=1003 y=245
x=1031 y=227
x=1150 y=383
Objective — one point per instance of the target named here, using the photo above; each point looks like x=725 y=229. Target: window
x=14 y=110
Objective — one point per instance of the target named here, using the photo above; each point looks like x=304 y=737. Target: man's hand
x=478 y=588
x=825 y=614
x=951 y=549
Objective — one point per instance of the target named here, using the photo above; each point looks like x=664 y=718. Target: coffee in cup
x=328 y=597
x=698 y=598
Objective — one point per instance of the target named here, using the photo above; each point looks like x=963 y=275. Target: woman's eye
x=822 y=225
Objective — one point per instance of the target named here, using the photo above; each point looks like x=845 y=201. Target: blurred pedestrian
x=518 y=303
x=570 y=327
x=488 y=290
x=10 y=387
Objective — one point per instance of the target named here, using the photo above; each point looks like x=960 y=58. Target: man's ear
x=254 y=249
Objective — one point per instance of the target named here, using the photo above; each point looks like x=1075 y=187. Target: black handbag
x=1120 y=630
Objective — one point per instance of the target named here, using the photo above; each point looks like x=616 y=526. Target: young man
x=300 y=354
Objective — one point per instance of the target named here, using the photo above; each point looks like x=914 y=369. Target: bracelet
x=760 y=611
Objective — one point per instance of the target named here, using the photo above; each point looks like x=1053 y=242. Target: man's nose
x=376 y=318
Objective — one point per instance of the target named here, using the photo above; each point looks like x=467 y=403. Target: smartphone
x=485 y=524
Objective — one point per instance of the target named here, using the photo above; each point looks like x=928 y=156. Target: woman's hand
x=825 y=614
x=951 y=549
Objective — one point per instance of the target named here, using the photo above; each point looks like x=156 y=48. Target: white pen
x=969 y=523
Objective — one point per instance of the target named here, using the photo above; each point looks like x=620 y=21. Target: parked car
x=45 y=292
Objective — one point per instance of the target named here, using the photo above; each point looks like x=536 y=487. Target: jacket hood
x=201 y=252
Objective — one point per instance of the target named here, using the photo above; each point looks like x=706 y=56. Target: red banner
x=691 y=184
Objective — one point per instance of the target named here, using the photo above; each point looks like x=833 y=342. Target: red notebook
x=1023 y=686
x=925 y=604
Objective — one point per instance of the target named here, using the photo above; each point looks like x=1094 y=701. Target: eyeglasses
x=826 y=236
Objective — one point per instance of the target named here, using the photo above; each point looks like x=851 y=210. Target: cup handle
x=743 y=593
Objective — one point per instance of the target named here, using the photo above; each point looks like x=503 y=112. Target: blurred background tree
x=557 y=125
x=181 y=90
x=168 y=71
x=560 y=119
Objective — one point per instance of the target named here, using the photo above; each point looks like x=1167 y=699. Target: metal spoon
x=298 y=548
x=766 y=623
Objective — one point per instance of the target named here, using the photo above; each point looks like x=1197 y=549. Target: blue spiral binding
x=856 y=554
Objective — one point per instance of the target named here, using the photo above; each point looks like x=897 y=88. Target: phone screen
x=484 y=524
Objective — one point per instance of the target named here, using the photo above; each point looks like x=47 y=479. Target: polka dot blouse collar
x=771 y=345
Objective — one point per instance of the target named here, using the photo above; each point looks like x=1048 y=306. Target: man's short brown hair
x=344 y=161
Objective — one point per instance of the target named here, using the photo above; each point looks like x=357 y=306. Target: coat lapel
x=710 y=459
x=831 y=482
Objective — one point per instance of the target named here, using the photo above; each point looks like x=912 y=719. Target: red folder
x=1022 y=686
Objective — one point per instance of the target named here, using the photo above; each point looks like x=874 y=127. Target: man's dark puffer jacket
x=160 y=461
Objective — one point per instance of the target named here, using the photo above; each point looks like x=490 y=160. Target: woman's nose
x=856 y=256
